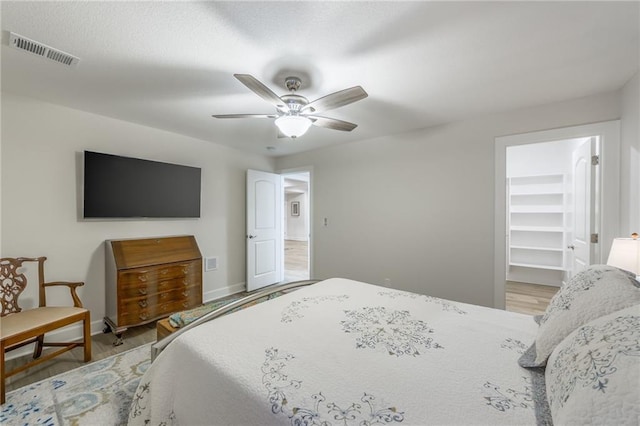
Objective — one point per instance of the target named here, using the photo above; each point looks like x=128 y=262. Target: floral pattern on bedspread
x=343 y=353
x=591 y=357
x=515 y=345
x=292 y=311
x=394 y=330
x=583 y=281
x=280 y=387
x=138 y=409
x=445 y=304
x=509 y=399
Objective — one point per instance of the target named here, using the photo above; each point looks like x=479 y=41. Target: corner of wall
x=630 y=156
x=1 y=191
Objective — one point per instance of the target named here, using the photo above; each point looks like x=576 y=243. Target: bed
x=342 y=352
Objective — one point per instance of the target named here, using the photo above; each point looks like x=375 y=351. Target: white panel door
x=264 y=232
x=580 y=245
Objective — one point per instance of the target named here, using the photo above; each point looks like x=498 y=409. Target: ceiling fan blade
x=336 y=99
x=332 y=123
x=245 y=116
x=261 y=90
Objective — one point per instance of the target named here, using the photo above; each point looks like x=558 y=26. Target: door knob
x=571 y=247
x=251 y=236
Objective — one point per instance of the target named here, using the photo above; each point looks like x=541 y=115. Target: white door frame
x=305 y=169
x=608 y=200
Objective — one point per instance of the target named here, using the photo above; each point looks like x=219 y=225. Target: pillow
x=593 y=376
x=592 y=293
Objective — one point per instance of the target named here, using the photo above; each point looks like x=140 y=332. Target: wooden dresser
x=150 y=278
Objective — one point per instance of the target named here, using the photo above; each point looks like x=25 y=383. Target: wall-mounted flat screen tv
x=123 y=187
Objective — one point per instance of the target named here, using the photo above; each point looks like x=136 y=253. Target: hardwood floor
x=296 y=260
x=531 y=299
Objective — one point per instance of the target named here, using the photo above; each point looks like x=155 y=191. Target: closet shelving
x=536 y=221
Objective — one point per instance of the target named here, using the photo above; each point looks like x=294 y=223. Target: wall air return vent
x=36 y=48
x=210 y=264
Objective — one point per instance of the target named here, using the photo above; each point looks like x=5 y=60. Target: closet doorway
x=551 y=189
x=550 y=206
x=556 y=209
x=296 y=225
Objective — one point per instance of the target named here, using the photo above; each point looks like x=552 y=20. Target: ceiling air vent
x=27 y=45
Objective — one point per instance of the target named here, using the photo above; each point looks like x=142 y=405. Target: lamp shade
x=625 y=254
x=293 y=125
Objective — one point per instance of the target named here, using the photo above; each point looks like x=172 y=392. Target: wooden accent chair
x=21 y=327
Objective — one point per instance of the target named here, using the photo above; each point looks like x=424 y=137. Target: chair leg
x=37 y=351
x=87 y=337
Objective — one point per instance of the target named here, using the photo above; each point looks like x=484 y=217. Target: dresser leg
x=110 y=327
x=119 y=339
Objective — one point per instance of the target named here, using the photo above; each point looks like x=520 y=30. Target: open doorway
x=550 y=223
x=296 y=225
x=550 y=208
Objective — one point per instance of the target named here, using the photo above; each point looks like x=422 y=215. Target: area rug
x=99 y=393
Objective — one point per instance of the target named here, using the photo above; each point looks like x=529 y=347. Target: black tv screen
x=123 y=187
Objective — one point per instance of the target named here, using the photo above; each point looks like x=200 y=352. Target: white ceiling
x=170 y=65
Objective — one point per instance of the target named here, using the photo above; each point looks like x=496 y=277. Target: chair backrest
x=13 y=282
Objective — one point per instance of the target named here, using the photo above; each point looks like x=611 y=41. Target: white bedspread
x=342 y=352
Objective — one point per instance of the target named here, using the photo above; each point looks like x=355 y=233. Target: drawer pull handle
x=185 y=270
x=143 y=278
x=143 y=316
x=164 y=271
x=185 y=282
x=185 y=304
x=142 y=290
x=185 y=293
x=142 y=303
x=164 y=295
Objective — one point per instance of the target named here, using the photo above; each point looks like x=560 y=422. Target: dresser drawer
x=192 y=294
x=147 y=309
x=176 y=270
x=152 y=302
x=134 y=289
x=177 y=283
x=137 y=276
x=139 y=315
x=142 y=315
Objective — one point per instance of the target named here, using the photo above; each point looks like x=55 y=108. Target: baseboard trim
x=222 y=292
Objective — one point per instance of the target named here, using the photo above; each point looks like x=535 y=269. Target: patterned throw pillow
x=590 y=294
x=593 y=376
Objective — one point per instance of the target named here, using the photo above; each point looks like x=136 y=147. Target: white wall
x=297 y=227
x=630 y=158
x=417 y=208
x=42 y=147
x=1 y=184
x=541 y=158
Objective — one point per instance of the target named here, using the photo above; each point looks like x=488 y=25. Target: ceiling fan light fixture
x=293 y=125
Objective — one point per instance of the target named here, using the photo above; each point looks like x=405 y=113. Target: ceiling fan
x=295 y=114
